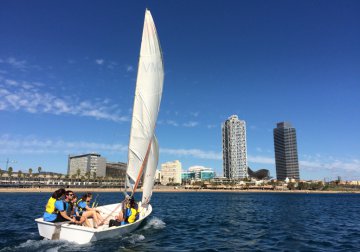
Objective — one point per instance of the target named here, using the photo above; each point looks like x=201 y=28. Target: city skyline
x=67 y=80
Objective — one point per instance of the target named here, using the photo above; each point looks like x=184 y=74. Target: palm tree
x=39 y=170
x=94 y=176
x=30 y=173
x=52 y=177
x=67 y=176
x=58 y=178
x=73 y=177
x=78 y=172
x=19 y=175
x=87 y=175
x=10 y=172
x=1 y=173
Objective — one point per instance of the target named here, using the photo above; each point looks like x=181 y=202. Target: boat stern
x=49 y=230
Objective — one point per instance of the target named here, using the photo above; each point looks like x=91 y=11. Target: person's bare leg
x=100 y=218
x=87 y=222
x=89 y=214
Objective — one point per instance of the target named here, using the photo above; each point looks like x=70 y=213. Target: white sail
x=150 y=171
x=149 y=85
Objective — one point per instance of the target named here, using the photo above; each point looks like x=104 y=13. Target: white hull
x=81 y=234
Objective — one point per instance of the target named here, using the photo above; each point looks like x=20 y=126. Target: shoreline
x=168 y=190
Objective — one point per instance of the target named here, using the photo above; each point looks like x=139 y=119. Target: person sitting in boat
x=69 y=196
x=74 y=212
x=131 y=212
x=118 y=221
x=55 y=208
x=87 y=212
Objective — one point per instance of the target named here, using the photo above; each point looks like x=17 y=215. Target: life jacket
x=131 y=215
x=50 y=206
x=69 y=209
x=80 y=209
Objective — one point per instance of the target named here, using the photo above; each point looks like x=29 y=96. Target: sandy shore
x=160 y=189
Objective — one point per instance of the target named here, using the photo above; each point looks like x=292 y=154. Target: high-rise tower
x=286 y=156
x=234 y=148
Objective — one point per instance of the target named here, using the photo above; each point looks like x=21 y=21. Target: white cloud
x=34 y=145
x=190 y=124
x=336 y=165
x=261 y=159
x=19 y=64
x=172 y=123
x=129 y=68
x=11 y=82
x=112 y=65
x=193 y=152
x=99 y=61
x=195 y=114
x=350 y=167
x=27 y=97
x=211 y=126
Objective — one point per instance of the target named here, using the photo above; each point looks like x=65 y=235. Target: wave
x=39 y=245
x=155 y=223
x=134 y=238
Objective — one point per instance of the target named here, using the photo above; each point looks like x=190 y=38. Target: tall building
x=171 y=172
x=87 y=163
x=286 y=156
x=116 y=170
x=234 y=148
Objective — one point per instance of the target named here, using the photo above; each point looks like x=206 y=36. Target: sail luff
x=149 y=174
x=147 y=99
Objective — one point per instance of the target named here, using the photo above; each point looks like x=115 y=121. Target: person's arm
x=91 y=209
x=65 y=216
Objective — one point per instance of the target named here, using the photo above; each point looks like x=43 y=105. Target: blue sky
x=68 y=71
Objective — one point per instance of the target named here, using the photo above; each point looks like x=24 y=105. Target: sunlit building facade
x=92 y=163
x=171 y=172
x=234 y=148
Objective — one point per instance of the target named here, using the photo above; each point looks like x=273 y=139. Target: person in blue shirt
x=87 y=212
x=56 y=209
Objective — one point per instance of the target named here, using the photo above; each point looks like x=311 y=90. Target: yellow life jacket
x=132 y=217
x=50 y=206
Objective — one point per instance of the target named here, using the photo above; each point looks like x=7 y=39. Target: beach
x=164 y=189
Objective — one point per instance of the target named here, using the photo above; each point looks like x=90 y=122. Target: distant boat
x=143 y=147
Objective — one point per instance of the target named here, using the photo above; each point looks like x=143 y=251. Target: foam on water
x=134 y=238
x=155 y=223
x=36 y=245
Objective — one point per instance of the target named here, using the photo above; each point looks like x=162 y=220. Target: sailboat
x=143 y=148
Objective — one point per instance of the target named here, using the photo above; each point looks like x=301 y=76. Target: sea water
x=202 y=221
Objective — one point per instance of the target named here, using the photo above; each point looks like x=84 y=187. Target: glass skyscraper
x=234 y=148
x=286 y=156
